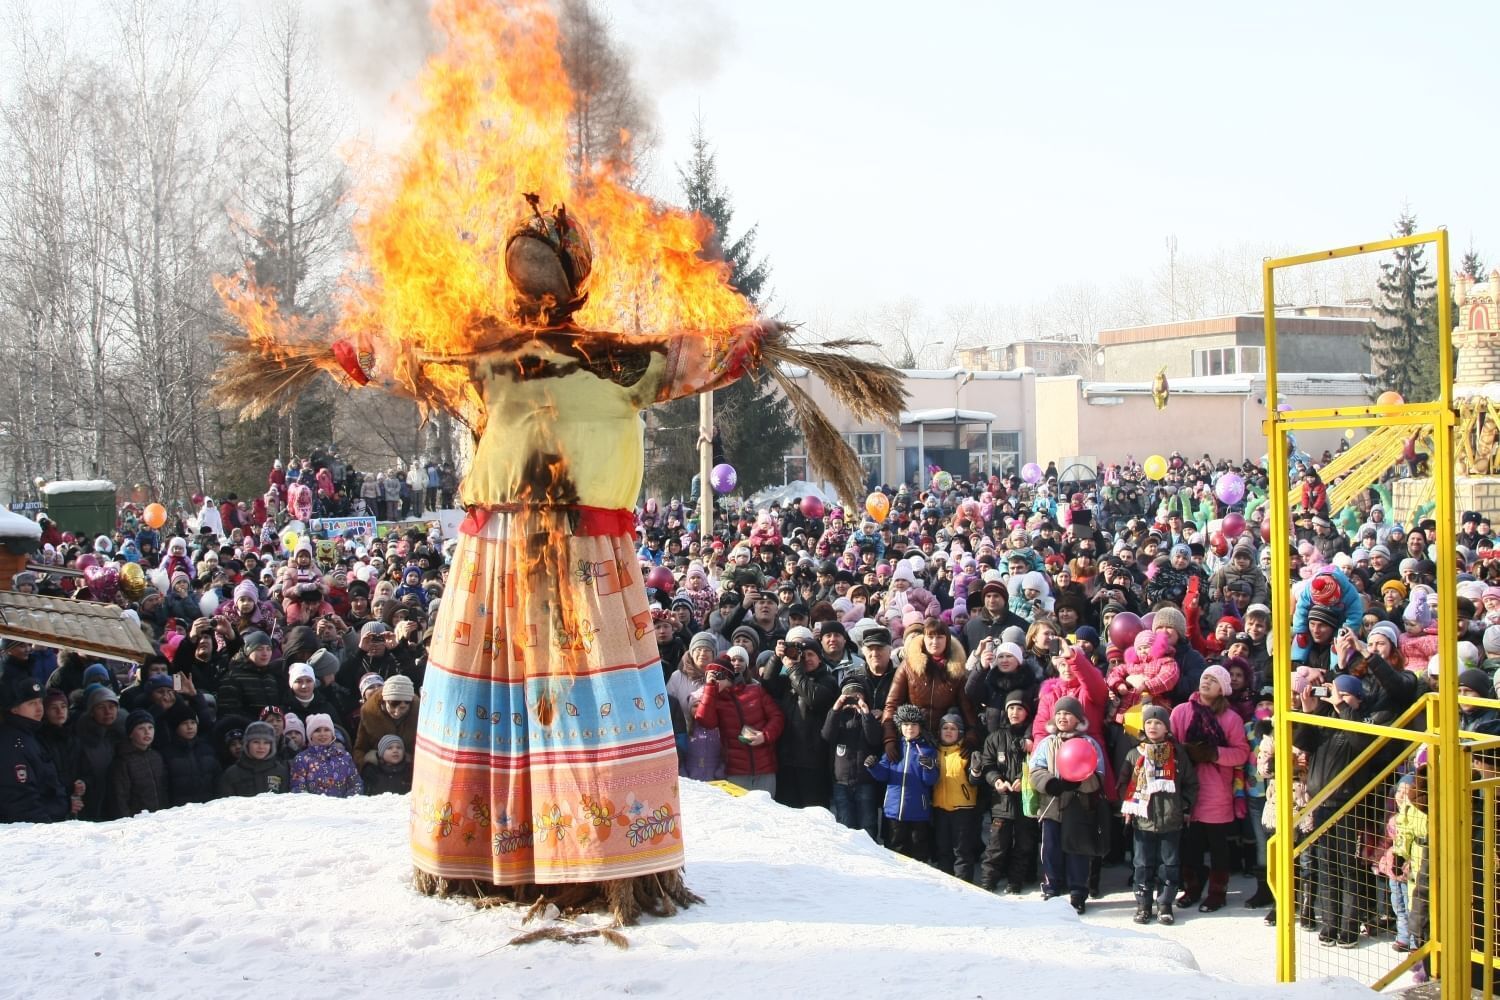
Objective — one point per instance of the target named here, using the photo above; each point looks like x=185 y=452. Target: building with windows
x=1309 y=339
x=1045 y=357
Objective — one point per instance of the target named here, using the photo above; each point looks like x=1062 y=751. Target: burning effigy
x=544 y=311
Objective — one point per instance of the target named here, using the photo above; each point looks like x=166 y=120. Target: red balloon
x=1219 y=542
x=812 y=507
x=86 y=560
x=1234 y=524
x=1265 y=530
x=660 y=578
x=1077 y=759
x=1123 y=628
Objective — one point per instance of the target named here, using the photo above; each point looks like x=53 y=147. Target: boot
x=1096 y=869
x=1262 y=895
x=1142 y=905
x=1164 y=906
x=1079 y=901
x=1218 y=886
x=1307 y=917
x=1192 y=885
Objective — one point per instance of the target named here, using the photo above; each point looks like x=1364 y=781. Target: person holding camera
x=749 y=723
x=853 y=731
x=804 y=687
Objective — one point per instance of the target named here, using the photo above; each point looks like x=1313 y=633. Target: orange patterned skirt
x=545 y=750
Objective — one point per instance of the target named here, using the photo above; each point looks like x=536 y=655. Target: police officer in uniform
x=30 y=789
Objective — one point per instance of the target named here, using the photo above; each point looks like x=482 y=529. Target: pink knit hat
x=1219 y=674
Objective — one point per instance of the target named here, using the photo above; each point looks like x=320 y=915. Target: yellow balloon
x=289 y=540
x=132 y=581
x=1349 y=434
x=1155 y=467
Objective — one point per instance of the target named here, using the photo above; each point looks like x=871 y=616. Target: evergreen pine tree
x=1403 y=349
x=752 y=422
x=1473 y=265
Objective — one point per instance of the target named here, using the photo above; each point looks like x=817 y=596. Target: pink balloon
x=86 y=560
x=1123 y=628
x=103 y=581
x=1234 y=524
x=1148 y=621
x=1077 y=759
x=660 y=578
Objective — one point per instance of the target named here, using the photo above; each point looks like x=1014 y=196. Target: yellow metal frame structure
x=1448 y=760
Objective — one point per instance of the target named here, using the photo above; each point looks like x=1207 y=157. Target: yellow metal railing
x=1450 y=880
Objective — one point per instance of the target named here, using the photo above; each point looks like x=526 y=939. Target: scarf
x=1155 y=771
x=1205 y=728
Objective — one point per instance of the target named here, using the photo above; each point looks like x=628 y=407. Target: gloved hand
x=1055 y=786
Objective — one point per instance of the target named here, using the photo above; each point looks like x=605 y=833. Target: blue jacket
x=909 y=782
x=1351 y=606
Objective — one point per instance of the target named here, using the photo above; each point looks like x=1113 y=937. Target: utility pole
x=705 y=466
x=1172 y=273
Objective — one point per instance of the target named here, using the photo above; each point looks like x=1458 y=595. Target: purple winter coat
x=326 y=771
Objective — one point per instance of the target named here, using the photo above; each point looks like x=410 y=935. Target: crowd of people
x=1019 y=683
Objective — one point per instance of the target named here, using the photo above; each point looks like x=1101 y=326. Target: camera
x=1054 y=646
x=1322 y=691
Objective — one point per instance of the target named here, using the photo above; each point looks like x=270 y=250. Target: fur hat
x=909 y=714
x=261 y=731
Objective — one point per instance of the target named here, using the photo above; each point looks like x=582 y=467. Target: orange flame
x=493 y=125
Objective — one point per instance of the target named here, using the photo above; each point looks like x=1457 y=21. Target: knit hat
x=1258 y=609
x=316 y=721
x=704 y=640
x=261 y=731
x=293 y=724
x=98 y=694
x=903 y=572
x=1013 y=634
x=140 y=717
x=1170 y=617
x=96 y=673
x=1395 y=585
x=1475 y=680
x=387 y=741
x=1325 y=590
x=800 y=635
x=746 y=632
x=1181 y=550
x=909 y=713
x=158 y=681
x=953 y=718
x=1016 y=697
x=1069 y=704
x=246 y=588
x=256 y=638
x=368 y=683
x=1468 y=655
x=1328 y=616
x=1393 y=636
x=398 y=687
x=300 y=670
x=1087 y=633
x=1156 y=712
x=1349 y=684
x=322 y=663
x=853 y=686
x=1010 y=649
x=1492 y=640
x=1434 y=665
x=737 y=656
x=1220 y=675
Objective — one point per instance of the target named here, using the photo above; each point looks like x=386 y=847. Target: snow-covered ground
x=311 y=897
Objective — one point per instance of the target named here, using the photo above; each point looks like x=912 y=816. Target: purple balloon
x=1231 y=488
x=1148 y=621
x=723 y=477
x=1031 y=473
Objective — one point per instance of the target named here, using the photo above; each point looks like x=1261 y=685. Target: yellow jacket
x=1411 y=836
x=954 y=790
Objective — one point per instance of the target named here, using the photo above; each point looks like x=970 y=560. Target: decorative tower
x=1476 y=394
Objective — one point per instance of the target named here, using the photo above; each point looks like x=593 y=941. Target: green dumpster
x=82 y=506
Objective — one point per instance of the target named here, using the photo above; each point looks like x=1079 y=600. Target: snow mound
x=295 y=894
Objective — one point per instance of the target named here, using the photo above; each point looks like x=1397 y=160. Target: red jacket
x=729 y=712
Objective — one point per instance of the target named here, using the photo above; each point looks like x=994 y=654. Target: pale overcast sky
x=990 y=153
x=961 y=152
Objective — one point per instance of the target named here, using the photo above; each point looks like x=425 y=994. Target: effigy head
x=548 y=258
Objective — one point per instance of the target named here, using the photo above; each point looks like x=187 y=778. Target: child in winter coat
x=1407 y=829
x=258 y=770
x=908 y=786
x=192 y=766
x=325 y=767
x=1005 y=763
x=411 y=585
x=138 y=776
x=854 y=732
x=1419 y=639
x=1158 y=786
x=1149 y=671
x=1067 y=807
x=955 y=803
x=391 y=771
